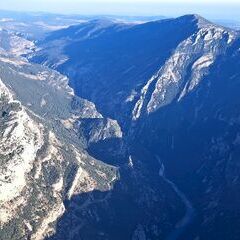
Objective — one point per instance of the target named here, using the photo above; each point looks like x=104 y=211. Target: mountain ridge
x=194 y=20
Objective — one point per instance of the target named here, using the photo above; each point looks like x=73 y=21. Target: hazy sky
x=225 y=9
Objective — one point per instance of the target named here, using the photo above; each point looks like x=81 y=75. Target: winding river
x=188 y=218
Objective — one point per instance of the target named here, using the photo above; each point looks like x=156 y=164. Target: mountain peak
x=196 y=18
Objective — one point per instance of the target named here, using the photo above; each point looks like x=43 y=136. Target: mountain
x=132 y=131
x=136 y=54
x=42 y=153
x=36 y=25
x=14 y=44
x=235 y=24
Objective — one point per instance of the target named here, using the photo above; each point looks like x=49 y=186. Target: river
x=188 y=218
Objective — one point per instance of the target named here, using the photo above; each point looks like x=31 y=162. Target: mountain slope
x=43 y=159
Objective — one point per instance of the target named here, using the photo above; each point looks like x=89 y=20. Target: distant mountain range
x=229 y=23
x=119 y=128
x=35 y=25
